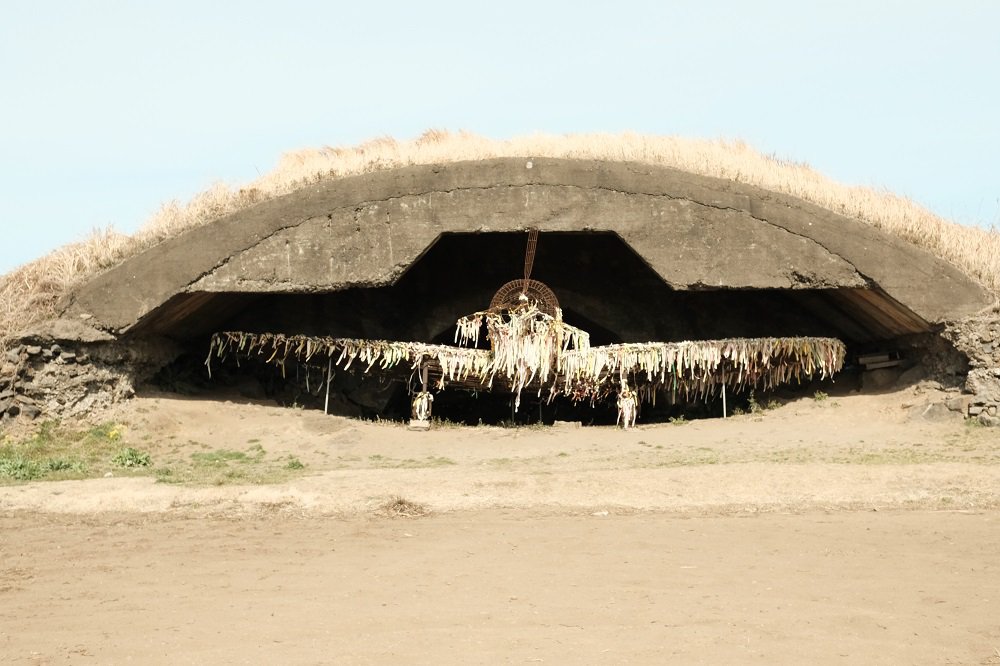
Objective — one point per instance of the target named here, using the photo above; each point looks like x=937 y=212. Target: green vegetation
x=227 y=466
x=59 y=452
x=129 y=457
x=222 y=457
x=384 y=462
x=757 y=407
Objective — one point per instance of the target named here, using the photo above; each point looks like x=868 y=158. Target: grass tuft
x=129 y=457
x=20 y=468
x=55 y=451
x=399 y=507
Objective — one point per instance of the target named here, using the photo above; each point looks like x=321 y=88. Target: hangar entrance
x=603 y=286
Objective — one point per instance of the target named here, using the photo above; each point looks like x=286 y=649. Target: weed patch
x=399 y=507
x=57 y=452
x=19 y=468
x=384 y=462
x=222 y=457
x=221 y=467
x=129 y=457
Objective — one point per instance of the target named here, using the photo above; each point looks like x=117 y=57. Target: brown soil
x=835 y=531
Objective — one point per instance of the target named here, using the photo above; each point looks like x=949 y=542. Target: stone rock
x=935 y=412
x=984 y=384
x=33 y=350
x=959 y=404
x=6 y=394
x=989 y=421
x=13 y=357
x=5 y=405
x=30 y=411
x=991 y=410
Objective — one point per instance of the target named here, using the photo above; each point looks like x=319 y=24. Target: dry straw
x=523 y=355
x=29 y=294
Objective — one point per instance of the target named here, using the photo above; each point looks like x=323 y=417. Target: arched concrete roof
x=695 y=232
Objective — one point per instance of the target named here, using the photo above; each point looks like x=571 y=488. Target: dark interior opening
x=603 y=287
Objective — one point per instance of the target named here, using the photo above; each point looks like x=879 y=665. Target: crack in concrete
x=360 y=206
x=229 y=258
x=869 y=282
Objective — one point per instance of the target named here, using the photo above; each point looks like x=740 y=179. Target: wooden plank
x=873 y=358
x=882 y=364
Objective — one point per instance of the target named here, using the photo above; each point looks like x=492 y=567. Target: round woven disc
x=509 y=296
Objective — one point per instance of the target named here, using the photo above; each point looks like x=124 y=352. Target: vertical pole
x=423 y=386
x=329 y=372
x=723 y=401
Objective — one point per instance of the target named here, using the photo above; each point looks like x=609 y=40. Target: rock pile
x=979 y=339
x=58 y=380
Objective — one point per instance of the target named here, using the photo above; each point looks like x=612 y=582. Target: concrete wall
x=695 y=232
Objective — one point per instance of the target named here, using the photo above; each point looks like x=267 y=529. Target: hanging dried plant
x=531 y=348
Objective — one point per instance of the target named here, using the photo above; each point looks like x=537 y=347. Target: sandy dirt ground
x=849 y=530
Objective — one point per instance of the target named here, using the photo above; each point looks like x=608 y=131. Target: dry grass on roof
x=30 y=293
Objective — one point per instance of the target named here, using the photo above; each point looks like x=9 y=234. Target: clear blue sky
x=110 y=108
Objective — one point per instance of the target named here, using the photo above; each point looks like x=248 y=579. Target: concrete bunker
x=634 y=252
x=603 y=285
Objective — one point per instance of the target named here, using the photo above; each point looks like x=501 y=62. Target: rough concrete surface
x=695 y=231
